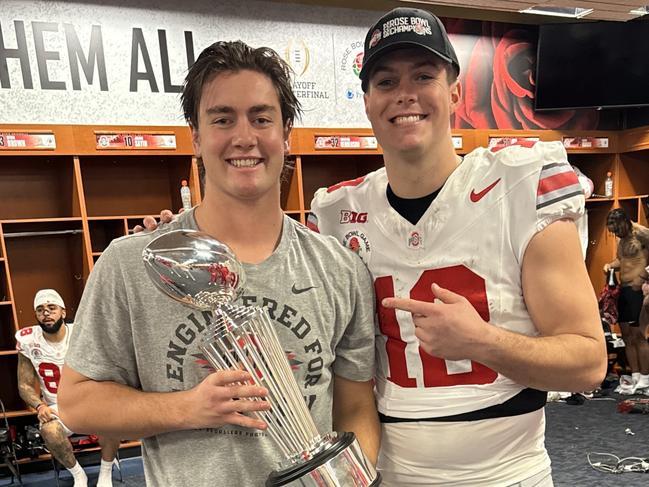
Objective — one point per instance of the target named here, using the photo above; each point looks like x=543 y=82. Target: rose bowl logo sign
x=357 y=64
x=351 y=60
x=297 y=56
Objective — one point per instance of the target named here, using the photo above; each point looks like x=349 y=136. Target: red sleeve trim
x=557 y=181
x=351 y=182
x=523 y=143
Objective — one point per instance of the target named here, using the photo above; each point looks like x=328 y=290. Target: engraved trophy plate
x=201 y=272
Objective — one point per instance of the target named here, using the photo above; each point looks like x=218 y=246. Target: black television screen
x=592 y=65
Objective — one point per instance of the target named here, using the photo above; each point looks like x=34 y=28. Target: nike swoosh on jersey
x=475 y=197
x=295 y=290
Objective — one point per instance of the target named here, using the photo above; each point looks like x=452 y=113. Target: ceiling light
x=640 y=11
x=575 y=13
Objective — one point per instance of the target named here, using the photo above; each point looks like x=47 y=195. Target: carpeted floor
x=572 y=432
x=595 y=426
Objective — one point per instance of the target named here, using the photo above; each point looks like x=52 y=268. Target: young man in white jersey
x=483 y=298
x=42 y=349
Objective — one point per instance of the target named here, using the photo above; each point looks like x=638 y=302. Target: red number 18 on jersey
x=458 y=279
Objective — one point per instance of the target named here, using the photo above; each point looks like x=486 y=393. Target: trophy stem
x=245 y=338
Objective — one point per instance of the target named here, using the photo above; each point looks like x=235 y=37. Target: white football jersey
x=470 y=240
x=47 y=357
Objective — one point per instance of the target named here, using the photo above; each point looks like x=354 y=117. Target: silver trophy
x=201 y=272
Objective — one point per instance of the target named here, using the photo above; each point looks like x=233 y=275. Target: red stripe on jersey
x=522 y=143
x=312 y=222
x=352 y=182
x=557 y=181
x=312 y=226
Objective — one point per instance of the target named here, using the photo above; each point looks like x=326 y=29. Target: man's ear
x=196 y=141
x=365 y=97
x=287 y=139
x=63 y=313
x=455 y=91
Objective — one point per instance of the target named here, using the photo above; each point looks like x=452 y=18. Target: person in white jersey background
x=42 y=349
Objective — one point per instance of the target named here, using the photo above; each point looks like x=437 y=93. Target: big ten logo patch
x=349 y=216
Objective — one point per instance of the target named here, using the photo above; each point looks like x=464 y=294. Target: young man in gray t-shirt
x=134 y=368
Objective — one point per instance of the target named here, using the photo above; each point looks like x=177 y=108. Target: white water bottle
x=185 y=195
x=608 y=185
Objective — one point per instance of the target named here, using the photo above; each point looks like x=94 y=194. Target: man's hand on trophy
x=216 y=401
x=149 y=223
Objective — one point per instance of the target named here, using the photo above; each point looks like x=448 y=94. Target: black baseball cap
x=403 y=27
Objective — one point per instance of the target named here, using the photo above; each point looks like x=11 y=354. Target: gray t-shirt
x=318 y=294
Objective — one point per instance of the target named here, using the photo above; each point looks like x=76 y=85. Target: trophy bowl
x=193 y=268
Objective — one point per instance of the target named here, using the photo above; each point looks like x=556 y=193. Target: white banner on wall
x=123 y=63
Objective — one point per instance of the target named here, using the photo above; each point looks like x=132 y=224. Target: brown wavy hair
x=235 y=56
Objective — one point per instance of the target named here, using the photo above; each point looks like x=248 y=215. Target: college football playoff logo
x=297 y=56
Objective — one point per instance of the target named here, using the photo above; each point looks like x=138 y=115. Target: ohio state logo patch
x=357 y=242
x=415 y=240
x=376 y=37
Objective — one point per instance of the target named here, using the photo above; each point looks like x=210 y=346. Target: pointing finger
x=411 y=305
x=445 y=295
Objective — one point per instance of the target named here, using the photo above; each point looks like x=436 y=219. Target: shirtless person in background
x=632 y=258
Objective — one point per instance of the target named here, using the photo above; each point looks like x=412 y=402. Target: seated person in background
x=42 y=351
x=632 y=258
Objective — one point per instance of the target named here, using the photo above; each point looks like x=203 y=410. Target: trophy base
x=340 y=464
